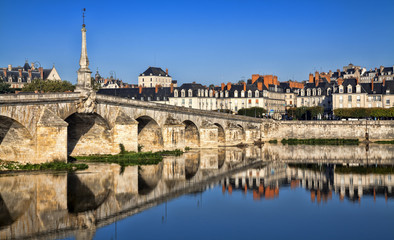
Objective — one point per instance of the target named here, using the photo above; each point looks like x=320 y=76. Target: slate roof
x=155 y=71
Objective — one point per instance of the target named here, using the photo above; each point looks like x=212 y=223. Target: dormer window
x=349 y=89
x=206 y=92
x=314 y=92
x=242 y=93
x=190 y=93
x=256 y=93
x=183 y=93
x=358 y=89
x=328 y=91
x=319 y=91
x=249 y=93
x=221 y=94
x=226 y=94
x=176 y=93
x=235 y=93
x=210 y=93
x=216 y=94
x=308 y=92
x=198 y=93
x=341 y=89
x=302 y=92
x=288 y=90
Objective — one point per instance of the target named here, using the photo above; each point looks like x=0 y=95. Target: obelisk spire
x=84 y=73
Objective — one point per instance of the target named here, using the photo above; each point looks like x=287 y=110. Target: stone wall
x=377 y=130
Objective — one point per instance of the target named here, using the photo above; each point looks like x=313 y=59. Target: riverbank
x=130 y=158
x=53 y=166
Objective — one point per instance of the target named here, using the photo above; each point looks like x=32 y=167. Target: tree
x=252 y=112
x=4 y=87
x=241 y=81
x=48 y=86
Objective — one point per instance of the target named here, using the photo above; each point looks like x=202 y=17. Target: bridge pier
x=208 y=135
x=51 y=138
x=174 y=136
x=234 y=135
x=125 y=131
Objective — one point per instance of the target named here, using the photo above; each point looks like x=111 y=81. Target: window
x=340 y=89
x=190 y=93
x=235 y=93
x=256 y=93
x=183 y=93
x=349 y=105
x=183 y=101
x=349 y=98
x=308 y=92
x=340 y=105
x=176 y=93
x=158 y=98
x=388 y=102
x=288 y=90
x=249 y=93
x=149 y=98
x=242 y=93
x=349 y=89
x=302 y=92
x=340 y=99
x=319 y=91
x=358 y=89
x=314 y=92
x=358 y=99
x=226 y=94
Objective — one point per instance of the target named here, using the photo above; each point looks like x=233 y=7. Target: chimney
x=255 y=77
x=166 y=71
x=172 y=88
x=339 y=72
x=330 y=73
x=20 y=72
x=5 y=72
x=372 y=85
x=317 y=76
x=328 y=77
x=340 y=81
x=41 y=72
x=228 y=86
x=358 y=81
x=260 y=86
x=140 y=89
x=384 y=82
x=9 y=67
x=381 y=69
x=376 y=69
x=310 y=78
x=223 y=86
x=244 y=86
x=156 y=88
x=32 y=66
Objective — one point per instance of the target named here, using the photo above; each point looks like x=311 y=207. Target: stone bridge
x=46 y=127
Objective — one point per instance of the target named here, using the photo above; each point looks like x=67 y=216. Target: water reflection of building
x=320 y=180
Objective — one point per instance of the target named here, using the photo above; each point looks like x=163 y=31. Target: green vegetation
x=364 y=112
x=56 y=166
x=305 y=113
x=313 y=141
x=48 y=86
x=4 y=87
x=365 y=170
x=385 y=142
x=273 y=141
x=125 y=158
x=187 y=148
x=252 y=112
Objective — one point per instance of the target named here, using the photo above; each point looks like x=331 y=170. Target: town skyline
x=204 y=45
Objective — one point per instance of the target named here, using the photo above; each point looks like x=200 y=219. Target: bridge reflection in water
x=57 y=205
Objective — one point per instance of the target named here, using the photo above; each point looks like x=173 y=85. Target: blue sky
x=203 y=41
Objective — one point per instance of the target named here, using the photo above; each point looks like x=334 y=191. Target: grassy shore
x=385 y=142
x=315 y=141
x=55 y=166
x=131 y=158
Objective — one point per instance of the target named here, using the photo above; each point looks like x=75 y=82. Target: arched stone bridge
x=45 y=127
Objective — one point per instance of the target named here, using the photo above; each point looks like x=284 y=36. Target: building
x=260 y=91
x=17 y=77
x=155 y=76
x=110 y=82
x=351 y=93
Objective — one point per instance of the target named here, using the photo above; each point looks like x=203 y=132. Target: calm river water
x=268 y=192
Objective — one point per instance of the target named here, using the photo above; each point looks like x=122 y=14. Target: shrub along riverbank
x=125 y=158
x=55 y=166
x=385 y=142
x=314 y=141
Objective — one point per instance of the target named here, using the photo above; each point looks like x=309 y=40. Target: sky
x=206 y=41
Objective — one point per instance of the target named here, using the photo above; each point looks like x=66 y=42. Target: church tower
x=84 y=73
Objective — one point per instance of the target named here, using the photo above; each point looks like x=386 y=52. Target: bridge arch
x=150 y=135
x=16 y=142
x=242 y=136
x=87 y=134
x=149 y=177
x=192 y=134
